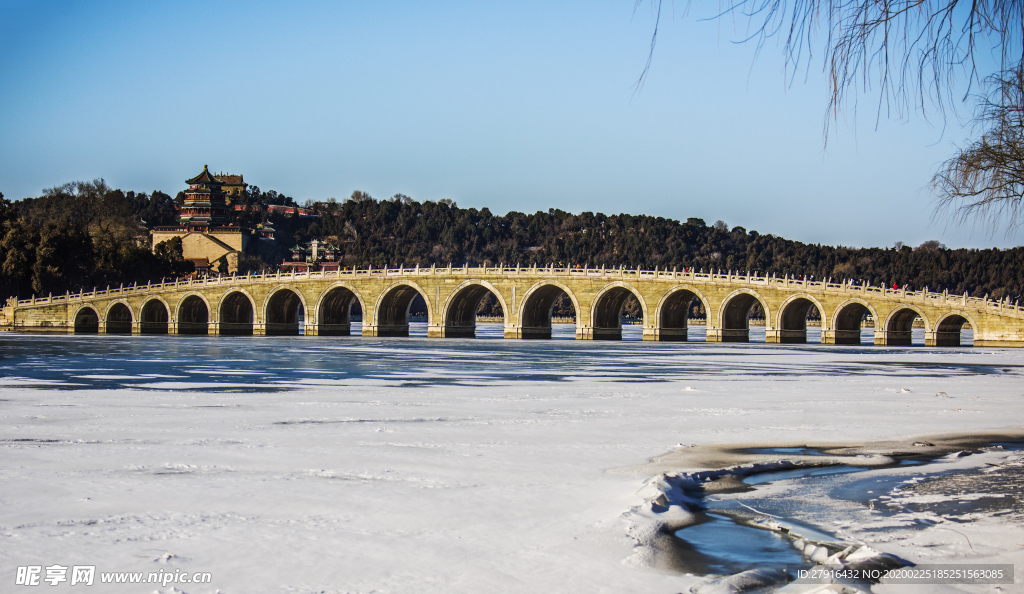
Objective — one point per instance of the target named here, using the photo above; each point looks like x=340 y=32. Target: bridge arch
x=734 y=315
x=459 y=312
x=899 y=324
x=281 y=311
x=535 y=308
x=392 y=308
x=193 y=314
x=791 y=323
x=948 y=327
x=87 y=321
x=334 y=309
x=846 y=321
x=119 y=317
x=154 y=316
x=606 y=310
x=674 y=311
x=236 y=313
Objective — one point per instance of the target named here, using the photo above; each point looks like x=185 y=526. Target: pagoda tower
x=204 y=225
x=205 y=207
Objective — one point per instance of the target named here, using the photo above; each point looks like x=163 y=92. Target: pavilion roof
x=204 y=178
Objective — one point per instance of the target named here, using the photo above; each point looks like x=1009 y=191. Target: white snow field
x=414 y=465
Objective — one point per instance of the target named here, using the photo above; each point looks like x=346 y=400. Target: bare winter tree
x=985 y=181
x=914 y=53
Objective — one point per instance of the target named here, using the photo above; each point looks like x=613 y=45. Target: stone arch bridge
x=273 y=304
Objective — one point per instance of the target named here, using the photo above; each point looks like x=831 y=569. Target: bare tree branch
x=985 y=181
x=656 y=4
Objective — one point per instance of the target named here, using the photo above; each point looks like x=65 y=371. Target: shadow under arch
x=87 y=321
x=284 y=310
x=392 y=310
x=674 y=312
x=119 y=319
x=792 y=322
x=899 y=326
x=460 y=310
x=334 y=310
x=948 y=328
x=236 y=314
x=193 y=316
x=154 y=317
x=848 y=321
x=735 y=315
x=535 y=312
x=606 y=314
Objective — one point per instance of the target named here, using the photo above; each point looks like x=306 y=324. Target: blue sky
x=513 y=106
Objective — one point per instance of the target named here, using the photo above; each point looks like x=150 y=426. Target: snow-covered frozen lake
x=421 y=465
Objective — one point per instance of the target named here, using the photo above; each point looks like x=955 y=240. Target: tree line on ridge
x=86 y=234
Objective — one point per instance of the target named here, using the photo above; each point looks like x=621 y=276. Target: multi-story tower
x=205 y=208
x=207 y=237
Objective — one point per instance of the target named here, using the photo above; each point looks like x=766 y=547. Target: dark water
x=719 y=545
x=779 y=475
x=804 y=451
x=814 y=471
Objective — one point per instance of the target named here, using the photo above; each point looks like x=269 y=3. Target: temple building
x=233 y=185
x=265 y=230
x=207 y=237
x=315 y=255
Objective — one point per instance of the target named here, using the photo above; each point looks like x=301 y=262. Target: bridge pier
x=893 y=338
x=840 y=337
x=589 y=333
x=728 y=334
x=666 y=334
x=777 y=336
x=528 y=332
x=235 y=329
x=386 y=331
x=451 y=331
x=328 y=329
x=942 y=339
x=279 y=329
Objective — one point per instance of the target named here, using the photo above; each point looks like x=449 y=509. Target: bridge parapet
x=726 y=296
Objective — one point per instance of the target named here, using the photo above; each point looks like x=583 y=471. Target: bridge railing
x=749 y=279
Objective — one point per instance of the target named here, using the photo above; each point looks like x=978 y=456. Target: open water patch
x=797 y=473
x=787 y=451
x=809 y=471
x=721 y=545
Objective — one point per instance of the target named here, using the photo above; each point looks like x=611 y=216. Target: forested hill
x=403 y=231
x=86 y=234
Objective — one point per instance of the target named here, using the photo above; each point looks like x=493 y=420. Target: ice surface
x=435 y=465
